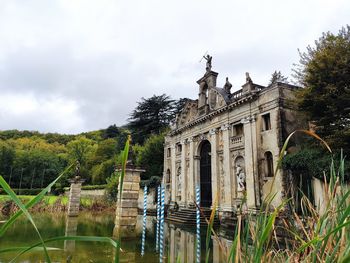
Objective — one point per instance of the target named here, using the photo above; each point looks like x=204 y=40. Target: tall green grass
x=312 y=236
x=42 y=245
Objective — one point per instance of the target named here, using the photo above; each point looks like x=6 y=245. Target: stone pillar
x=74 y=196
x=214 y=161
x=191 y=180
x=228 y=185
x=250 y=155
x=173 y=175
x=126 y=212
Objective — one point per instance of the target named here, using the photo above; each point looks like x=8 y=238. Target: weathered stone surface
x=241 y=128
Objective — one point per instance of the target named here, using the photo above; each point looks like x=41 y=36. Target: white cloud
x=93 y=60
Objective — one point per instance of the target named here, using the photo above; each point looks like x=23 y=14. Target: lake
x=180 y=242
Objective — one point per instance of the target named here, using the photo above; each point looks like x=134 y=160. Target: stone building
x=228 y=144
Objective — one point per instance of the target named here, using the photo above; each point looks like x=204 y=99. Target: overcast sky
x=72 y=66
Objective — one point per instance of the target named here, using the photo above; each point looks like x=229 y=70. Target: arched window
x=269 y=164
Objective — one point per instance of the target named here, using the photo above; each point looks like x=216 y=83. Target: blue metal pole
x=158 y=218
x=198 y=226
x=144 y=220
x=161 y=234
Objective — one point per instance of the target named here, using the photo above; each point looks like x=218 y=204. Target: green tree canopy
x=151 y=116
x=151 y=156
x=324 y=71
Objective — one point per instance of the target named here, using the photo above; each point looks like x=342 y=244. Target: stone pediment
x=188 y=113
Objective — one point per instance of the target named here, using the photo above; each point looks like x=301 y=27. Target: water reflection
x=179 y=241
x=71 y=230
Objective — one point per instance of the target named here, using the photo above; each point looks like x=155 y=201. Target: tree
x=151 y=156
x=324 y=72
x=151 y=116
x=278 y=77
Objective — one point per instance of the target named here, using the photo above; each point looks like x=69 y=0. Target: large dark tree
x=324 y=71
x=151 y=116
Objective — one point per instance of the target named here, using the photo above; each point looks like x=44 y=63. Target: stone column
x=250 y=154
x=173 y=175
x=74 y=196
x=191 y=181
x=214 y=161
x=228 y=185
x=126 y=212
x=183 y=175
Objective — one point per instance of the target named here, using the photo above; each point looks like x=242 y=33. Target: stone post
x=126 y=212
x=74 y=196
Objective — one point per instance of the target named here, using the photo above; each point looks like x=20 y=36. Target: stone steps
x=188 y=216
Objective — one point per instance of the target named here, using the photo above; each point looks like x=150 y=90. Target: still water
x=180 y=242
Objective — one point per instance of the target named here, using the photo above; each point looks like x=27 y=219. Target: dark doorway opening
x=205 y=174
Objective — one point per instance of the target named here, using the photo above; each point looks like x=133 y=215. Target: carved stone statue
x=179 y=179
x=208 y=58
x=247 y=78
x=227 y=86
x=241 y=183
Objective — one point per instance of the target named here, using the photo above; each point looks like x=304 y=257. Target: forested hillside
x=30 y=159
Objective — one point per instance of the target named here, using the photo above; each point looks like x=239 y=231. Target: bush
x=23 y=191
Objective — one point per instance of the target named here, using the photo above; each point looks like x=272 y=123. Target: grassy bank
x=52 y=204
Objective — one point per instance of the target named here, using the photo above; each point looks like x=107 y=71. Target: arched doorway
x=205 y=174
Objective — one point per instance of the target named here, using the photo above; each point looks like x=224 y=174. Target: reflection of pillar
x=126 y=212
x=74 y=196
x=71 y=230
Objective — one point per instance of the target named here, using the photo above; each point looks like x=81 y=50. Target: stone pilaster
x=227 y=200
x=173 y=175
x=191 y=180
x=214 y=160
x=126 y=212
x=74 y=196
x=250 y=153
x=183 y=175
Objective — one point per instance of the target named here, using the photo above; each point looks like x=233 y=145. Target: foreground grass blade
x=31 y=203
x=18 y=202
x=121 y=181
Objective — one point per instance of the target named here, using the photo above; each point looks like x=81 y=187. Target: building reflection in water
x=181 y=243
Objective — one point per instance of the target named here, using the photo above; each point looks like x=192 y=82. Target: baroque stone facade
x=228 y=145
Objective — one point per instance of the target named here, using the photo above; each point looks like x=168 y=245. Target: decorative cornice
x=248 y=97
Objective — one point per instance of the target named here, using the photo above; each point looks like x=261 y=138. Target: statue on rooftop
x=208 y=58
x=247 y=78
x=227 y=86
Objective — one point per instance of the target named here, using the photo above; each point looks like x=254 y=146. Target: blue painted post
x=158 y=218
x=144 y=220
x=161 y=230
x=198 y=226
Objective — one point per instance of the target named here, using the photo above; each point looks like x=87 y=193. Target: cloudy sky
x=72 y=66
